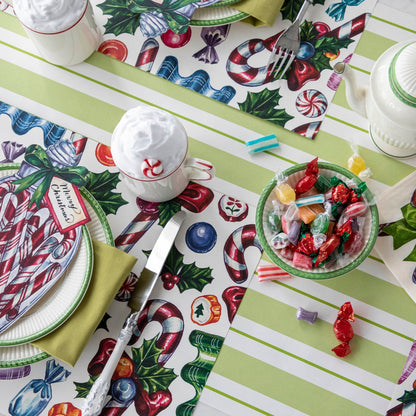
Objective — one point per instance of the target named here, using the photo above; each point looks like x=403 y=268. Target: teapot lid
x=402 y=74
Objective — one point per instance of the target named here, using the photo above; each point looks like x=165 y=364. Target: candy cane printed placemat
x=228 y=62
x=184 y=324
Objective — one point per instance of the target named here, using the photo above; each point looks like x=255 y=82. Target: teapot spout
x=355 y=95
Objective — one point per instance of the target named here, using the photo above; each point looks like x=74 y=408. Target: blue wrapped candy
x=35 y=396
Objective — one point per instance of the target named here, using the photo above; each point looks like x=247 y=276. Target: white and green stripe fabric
x=270 y=363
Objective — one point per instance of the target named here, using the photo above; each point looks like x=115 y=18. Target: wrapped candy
x=285 y=193
x=304 y=315
x=320 y=229
x=343 y=329
x=35 y=396
x=279 y=241
x=212 y=36
x=356 y=164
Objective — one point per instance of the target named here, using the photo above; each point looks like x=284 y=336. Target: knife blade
x=155 y=262
x=95 y=400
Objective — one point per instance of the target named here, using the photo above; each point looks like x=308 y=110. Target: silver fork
x=287 y=46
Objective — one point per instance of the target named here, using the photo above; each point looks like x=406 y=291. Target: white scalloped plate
x=216 y=16
x=98 y=228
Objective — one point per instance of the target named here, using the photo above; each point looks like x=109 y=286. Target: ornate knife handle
x=95 y=400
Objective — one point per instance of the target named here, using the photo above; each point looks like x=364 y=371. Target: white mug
x=149 y=146
x=64 y=32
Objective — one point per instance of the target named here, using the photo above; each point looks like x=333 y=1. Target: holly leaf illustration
x=411 y=256
x=409 y=396
x=152 y=376
x=323 y=45
x=409 y=214
x=290 y=9
x=308 y=32
x=122 y=20
x=263 y=104
x=401 y=232
x=83 y=389
x=193 y=277
x=173 y=262
x=167 y=210
x=101 y=187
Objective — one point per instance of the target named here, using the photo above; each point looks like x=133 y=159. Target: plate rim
x=318 y=275
x=98 y=210
x=219 y=21
x=77 y=300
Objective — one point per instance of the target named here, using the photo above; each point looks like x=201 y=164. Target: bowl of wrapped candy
x=317 y=220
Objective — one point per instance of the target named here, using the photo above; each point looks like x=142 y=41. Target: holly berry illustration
x=185 y=276
x=169 y=280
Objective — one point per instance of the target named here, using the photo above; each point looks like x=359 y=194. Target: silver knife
x=95 y=400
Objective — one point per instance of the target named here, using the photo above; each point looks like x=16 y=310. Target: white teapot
x=389 y=102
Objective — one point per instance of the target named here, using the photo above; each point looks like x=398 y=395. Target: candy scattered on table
x=343 y=329
x=267 y=272
x=304 y=315
x=262 y=144
x=356 y=164
x=320 y=222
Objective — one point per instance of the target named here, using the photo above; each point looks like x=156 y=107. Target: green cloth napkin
x=111 y=267
x=262 y=12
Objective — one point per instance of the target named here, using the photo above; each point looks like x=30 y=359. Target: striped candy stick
x=147 y=54
x=267 y=272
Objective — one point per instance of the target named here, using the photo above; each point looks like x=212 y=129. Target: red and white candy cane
x=237 y=64
x=171 y=320
x=135 y=230
x=242 y=73
x=194 y=198
x=234 y=251
x=147 y=54
x=350 y=29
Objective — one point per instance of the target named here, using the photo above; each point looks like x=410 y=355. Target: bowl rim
x=304 y=273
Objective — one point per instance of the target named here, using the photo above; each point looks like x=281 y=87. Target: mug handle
x=199 y=169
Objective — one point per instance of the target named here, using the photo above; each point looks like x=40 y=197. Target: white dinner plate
x=216 y=15
x=99 y=229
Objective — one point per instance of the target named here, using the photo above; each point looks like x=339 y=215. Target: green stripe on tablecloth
x=50 y=93
x=282 y=386
x=376 y=292
x=372 y=45
x=90 y=110
x=281 y=318
x=393 y=24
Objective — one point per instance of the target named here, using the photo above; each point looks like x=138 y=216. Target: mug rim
x=61 y=31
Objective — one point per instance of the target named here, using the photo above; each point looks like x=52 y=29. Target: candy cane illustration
x=242 y=73
x=234 y=250
x=237 y=65
x=171 y=320
x=350 y=29
x=147 y=54
x=135 y=230
x=308 y=130
x=194 y=198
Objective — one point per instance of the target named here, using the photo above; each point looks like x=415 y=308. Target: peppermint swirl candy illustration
x=311 y=103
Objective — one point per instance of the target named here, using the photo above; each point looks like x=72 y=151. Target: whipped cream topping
x=147 y=137
x=49 y=16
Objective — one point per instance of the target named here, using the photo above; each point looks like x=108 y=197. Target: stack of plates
x=62 y=299
x=217 y=14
